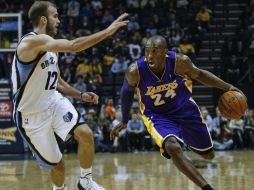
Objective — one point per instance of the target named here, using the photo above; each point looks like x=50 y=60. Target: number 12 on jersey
x=51 y=80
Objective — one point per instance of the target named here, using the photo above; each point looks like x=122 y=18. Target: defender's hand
x=118 y=23
x=115 y=131
x=90 y=97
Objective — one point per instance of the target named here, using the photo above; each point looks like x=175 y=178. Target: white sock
x=58 y=188
x=85 y=172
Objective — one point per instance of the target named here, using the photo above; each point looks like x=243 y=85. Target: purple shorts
x=187 y=125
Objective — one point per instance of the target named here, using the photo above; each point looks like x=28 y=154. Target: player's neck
x=39 y=30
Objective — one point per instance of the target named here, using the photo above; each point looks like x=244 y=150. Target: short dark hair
x=38 y=9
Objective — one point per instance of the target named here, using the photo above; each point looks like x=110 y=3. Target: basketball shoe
x=87 y=183
x=64 y=188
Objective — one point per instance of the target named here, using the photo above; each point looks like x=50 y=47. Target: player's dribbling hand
x=118 y=23
x=233 y=88
x=90 y=97
x=115 y=131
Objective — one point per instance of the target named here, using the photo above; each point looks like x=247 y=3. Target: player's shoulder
x=37 y=38
x=133 y=68
x=132 y=73
x=181 y=57
x=182 y=60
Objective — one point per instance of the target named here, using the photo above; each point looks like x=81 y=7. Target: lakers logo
x=151 y=90
x=155 y=92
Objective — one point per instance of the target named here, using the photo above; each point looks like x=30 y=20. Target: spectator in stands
x=207 y=117
x=224 y=140
x=73 y=8
x=109 y=57
x=91 y=122
x=95 y=67
x=107 y=18
x=135 y=133
x=249 y=129
x=204 y=17
x=67 y=76
x=120 y=65
x=120 y=143
x=110 y=109
x=80 y=84
x=134 y=50
x=95 y=84
x=133 y=25
x=83 y=67
x=237 y=126
x=187 y=48
x=106 y=126
x=217 y=122
x=81 y=110
x=233 y=70
x=174 y=39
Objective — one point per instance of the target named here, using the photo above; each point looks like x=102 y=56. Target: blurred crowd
x=184 y=23
x=238 y=52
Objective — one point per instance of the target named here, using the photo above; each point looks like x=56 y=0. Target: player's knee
x=83 y=133
x=209 y=156
x=59 y=166
x=172 y=146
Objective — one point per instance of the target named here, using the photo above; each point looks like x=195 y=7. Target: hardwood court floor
x=136 y=171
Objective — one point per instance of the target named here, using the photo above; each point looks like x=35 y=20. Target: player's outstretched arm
x=68 y=90
x=43 y=42
x=184 y=66
x=126 y=95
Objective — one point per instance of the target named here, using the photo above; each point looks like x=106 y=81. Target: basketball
x=232 y=105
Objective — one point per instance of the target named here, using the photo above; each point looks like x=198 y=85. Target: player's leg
x=58 y=174
x=84 y=135
x=67 y=124
x=167 y=135
x=36 y=130
x=208 y=155
x=173 y=148
x=195 y=132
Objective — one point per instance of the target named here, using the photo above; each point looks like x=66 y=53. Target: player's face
x=53 y=21
x=155 y=56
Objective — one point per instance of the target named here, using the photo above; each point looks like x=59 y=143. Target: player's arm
x=43 y=42
x=127 y=91
x=126 y=96
x=184 y=66
x=68 y=90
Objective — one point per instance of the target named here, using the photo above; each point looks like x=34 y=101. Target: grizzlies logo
x=68 y=117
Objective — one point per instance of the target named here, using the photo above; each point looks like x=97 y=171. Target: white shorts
x=39 y=130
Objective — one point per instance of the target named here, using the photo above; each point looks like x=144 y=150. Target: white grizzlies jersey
x=34 y=83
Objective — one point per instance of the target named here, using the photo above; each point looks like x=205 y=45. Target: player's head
x=44 y=14
x=156 y=51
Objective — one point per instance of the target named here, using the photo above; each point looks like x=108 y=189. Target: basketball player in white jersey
x=40 y=110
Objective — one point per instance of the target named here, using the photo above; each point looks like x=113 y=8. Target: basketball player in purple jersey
x=170 y=114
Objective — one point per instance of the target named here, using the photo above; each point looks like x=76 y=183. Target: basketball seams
x=238 y=100
x=223 y=107
x=228 y=105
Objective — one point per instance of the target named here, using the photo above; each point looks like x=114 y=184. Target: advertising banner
x=10 y=139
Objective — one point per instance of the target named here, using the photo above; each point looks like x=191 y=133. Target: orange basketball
x=232 y=105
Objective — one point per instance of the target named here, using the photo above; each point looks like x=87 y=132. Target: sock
x=207 y=187
x=85 y=172
x=58 y=188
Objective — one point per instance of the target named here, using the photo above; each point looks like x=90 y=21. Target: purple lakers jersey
x=165 y=95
